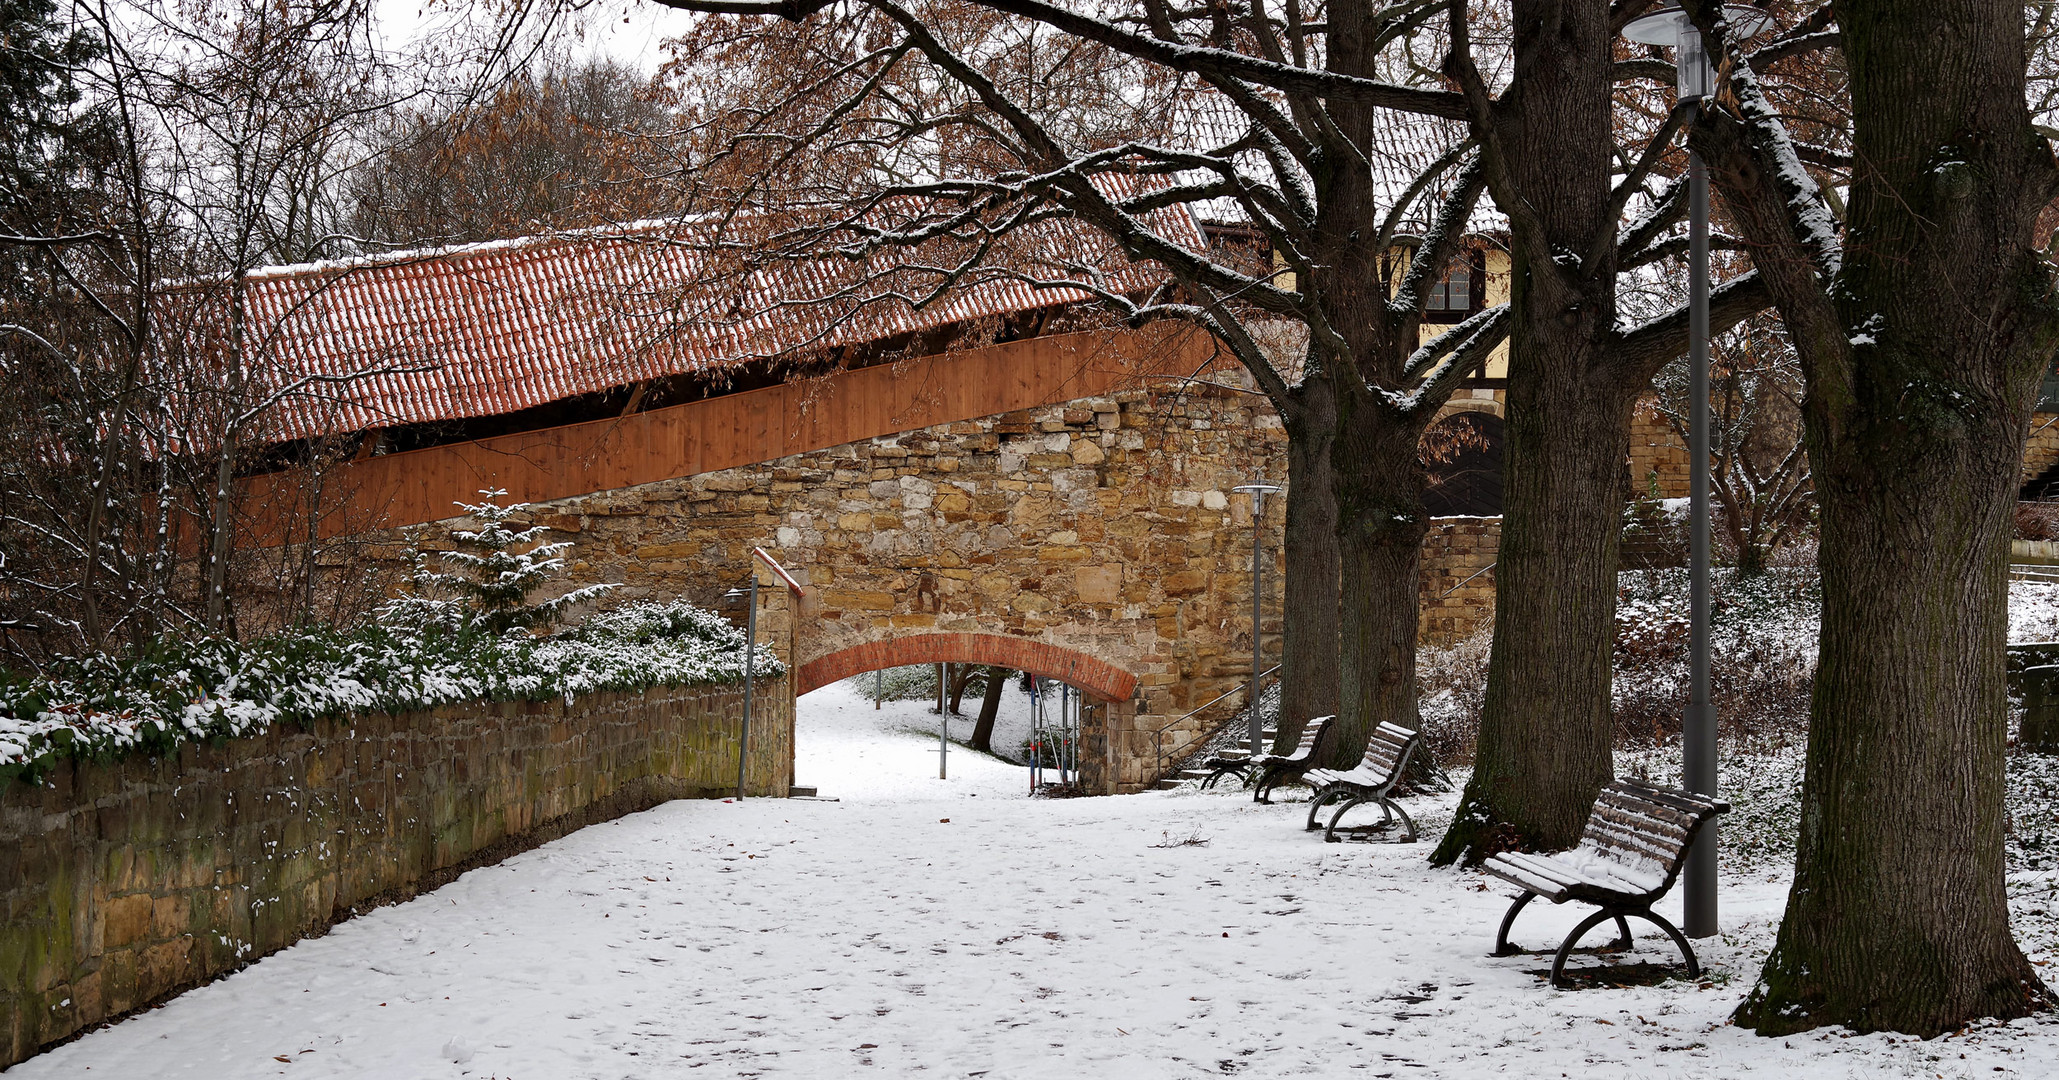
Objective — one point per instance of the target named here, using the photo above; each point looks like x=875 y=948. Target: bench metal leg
x=1394 y=810
x=1330 y=833
x=1388 y=807
x=1315 y=804
x=1694 y=966
x=1262 y=786
x=1501 y=938
x=1221 y=771
x=1558 y=963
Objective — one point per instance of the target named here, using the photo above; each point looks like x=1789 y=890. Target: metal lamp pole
x=743 y=742
x=1258 y=490
x=1671 y=27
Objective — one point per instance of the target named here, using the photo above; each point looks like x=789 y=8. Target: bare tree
x=142 y=385
x=1758 y=464
x=559 y=145
x=1921 y=305
x=994 y=119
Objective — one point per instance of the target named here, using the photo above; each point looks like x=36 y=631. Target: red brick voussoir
x=1101 y=680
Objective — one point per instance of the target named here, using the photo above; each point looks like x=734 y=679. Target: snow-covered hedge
x=99 y=707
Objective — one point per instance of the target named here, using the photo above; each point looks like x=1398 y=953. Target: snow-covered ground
x=958 y=928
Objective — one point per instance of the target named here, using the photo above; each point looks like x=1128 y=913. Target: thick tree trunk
x=1308 y=657
x=1544 y=746
x=1898 y=918
x=989 y=709
x=1543 y=751
x=1379 y=484
x=1923 y=352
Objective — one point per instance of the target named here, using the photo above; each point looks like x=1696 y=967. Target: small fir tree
x=493 y=573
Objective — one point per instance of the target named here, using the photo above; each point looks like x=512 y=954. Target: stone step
x=1173 y=780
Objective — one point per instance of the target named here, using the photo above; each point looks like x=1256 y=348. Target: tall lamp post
x=1670 y=27
x=743 y=739
x=1258 y=490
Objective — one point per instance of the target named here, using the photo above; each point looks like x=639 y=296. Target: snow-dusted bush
x=915 y=682
x=1762 y=636
x=1451 y=684
x=216 y=688
x=1763 y=787
x=1762 y=644
x=2033 y=611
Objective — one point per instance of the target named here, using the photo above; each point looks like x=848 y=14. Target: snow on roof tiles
x=496 y=328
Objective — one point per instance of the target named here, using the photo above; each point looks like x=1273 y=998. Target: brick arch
x=1101 y=680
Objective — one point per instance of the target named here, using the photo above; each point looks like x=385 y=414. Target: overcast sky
x=628 y=30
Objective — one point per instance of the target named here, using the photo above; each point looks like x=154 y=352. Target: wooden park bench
x=1268 y=771
x=1373 y=781
x=1637 y=837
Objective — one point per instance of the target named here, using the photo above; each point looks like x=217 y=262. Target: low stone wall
x=129 y=881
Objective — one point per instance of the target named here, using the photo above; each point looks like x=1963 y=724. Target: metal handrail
x=768 y=560
x=1242 y=686
x=1158 y=736
x=1467 y=581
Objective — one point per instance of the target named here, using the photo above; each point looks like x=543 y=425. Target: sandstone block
x=1031 y=603
x=858 y=599
x=1098 y=584
x=127 y=920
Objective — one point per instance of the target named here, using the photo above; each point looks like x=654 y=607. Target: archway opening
x=868 y=719
x=1462 y=454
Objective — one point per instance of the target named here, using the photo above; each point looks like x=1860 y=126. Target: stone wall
x=1103 y=528
x=1658 y=456
x=1099 y=535
x=130 y=881
x=2041 y=452
x=1458 y=579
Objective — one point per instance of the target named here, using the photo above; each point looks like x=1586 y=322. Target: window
x=1454 y=293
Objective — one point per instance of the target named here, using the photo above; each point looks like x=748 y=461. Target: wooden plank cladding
x=730 y=431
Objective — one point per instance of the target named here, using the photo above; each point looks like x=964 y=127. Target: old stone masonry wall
x=1105 y=527
x=1099 y=534
x=128 y=881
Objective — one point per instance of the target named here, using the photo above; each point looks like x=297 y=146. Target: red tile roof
x=495 y=328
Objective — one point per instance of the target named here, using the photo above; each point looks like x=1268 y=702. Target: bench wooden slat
x=1636 y=838
x=1559 y=874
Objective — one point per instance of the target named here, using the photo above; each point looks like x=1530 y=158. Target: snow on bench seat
x=1373 y=781
x=1636 y=839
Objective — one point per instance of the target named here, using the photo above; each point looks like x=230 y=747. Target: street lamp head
x=1262 y=489
x=1670 y=27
